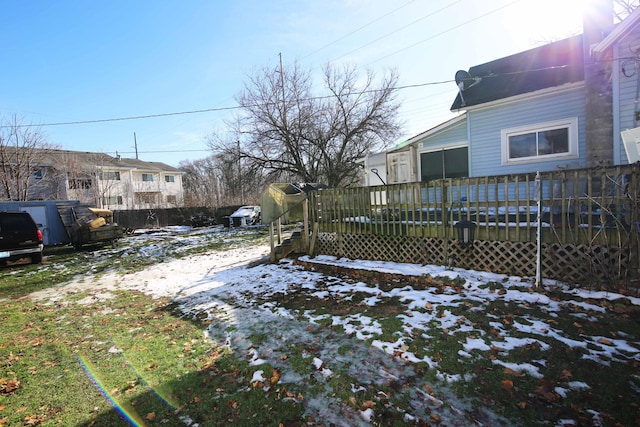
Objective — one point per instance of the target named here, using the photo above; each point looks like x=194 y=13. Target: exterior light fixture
x=466 y=231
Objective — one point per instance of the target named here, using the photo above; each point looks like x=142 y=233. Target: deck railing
x=586 y=206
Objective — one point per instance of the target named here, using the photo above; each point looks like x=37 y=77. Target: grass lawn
x=123 y=357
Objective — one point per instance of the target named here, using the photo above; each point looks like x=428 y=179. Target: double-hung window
x=147 y=177
x=555 y=140
x=111 y=176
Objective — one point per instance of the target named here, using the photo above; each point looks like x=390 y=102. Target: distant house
x=563 y=105
x=104 y=181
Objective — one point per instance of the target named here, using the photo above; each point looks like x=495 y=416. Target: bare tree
x=286 y=131
x=220 y=180
x=21 y=147
x=623 y=8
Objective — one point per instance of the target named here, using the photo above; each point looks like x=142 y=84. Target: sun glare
x=560 y=18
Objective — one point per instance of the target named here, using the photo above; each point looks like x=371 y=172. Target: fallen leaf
x=368 y=404
x=275 y=377
x=507 y=384
x=8 y=386
x=605 y=341
x=510 y=371
x=435 y=418
x=31 y=420
x=150 y=416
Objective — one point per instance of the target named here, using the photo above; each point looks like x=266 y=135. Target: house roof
x=546 y=66
x=87 y=160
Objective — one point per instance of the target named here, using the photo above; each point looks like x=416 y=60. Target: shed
x=285 y=199
x=45 y=214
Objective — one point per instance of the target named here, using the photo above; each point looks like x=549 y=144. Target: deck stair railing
x=285 y=240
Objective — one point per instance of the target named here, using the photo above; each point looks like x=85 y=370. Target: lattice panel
x=570 y=263
x=514 y=258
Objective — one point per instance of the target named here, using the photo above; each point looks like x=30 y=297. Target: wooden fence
x=585 y=219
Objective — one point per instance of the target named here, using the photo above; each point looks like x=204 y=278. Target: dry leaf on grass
x=507 y=384
x=510 y=371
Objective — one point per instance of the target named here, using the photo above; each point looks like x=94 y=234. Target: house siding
x=486 y=123
x=627 y=73
x=453 y=135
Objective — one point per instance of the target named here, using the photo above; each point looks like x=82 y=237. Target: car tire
x=36 y=258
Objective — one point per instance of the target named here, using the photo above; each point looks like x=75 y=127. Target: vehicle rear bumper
x=17 y=253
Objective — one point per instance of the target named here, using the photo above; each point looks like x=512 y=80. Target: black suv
x=19 y=238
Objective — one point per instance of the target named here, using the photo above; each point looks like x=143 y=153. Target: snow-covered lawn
x=455 y=346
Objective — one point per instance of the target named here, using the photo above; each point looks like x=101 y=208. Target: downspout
x=616 y=107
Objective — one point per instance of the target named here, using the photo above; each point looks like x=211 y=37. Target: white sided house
x=107 y=182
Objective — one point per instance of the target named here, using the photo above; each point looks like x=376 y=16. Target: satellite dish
x=465 y=81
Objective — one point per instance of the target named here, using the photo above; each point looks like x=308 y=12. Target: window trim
x=169 y=179
x=80 y=183
x=105 y=176
x=106 y=200
x=571 y=124
x=144 y=175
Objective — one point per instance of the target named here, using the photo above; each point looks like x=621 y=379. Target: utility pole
x=240 y=174
x=284 y=102
x=135 y=142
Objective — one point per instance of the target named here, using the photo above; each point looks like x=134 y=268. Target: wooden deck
x=588 y=212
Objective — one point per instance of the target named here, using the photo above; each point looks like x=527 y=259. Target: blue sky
x=72 y=61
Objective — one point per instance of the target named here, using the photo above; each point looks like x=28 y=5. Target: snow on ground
x=236 y=291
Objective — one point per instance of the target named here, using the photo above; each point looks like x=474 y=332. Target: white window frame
x=570 y=123
x=169 y=178
x=110 y=176
x=112 y=200
x=144 y=177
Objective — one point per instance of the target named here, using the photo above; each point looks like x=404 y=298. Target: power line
x=148 y=116
x=399 y=29
x=163 y=151
x=237 y=107
x=208 y=110
x=445 y=31
x=359 y=28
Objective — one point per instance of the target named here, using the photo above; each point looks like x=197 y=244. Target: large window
x=112 y=200
x=540 y=142
x=169 y=178
x=147 y=177
x=444 y=163
x=80 y=183
x=111 y=176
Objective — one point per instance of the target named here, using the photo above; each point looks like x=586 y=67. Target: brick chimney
x=597 y=23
